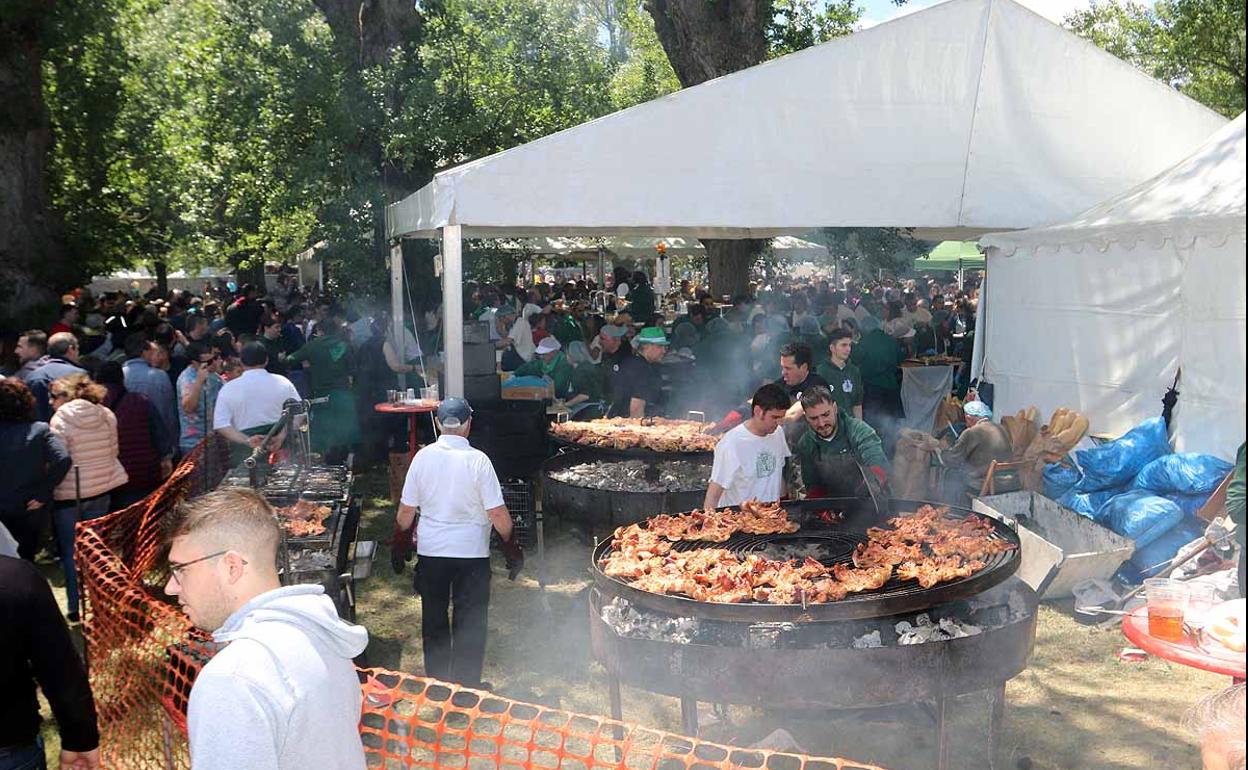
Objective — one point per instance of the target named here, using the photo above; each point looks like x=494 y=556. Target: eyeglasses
x=57 y=394
x=176 y=568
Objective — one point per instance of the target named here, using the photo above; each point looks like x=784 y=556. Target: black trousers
x=455 y=600
x=27 y=528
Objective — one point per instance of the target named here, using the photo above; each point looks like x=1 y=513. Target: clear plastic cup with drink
x=1167 y=606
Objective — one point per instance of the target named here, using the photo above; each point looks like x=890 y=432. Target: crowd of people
x=99 y=406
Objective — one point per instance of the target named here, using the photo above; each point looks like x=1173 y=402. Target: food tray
x=829 y=544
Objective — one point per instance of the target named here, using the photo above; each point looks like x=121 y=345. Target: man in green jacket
x=843 y=377
x=550 y=362
x=833 y=454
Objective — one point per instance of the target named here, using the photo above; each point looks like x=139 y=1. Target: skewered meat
x=655 y=434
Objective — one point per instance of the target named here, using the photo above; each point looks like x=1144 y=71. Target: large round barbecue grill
x=602 y=510
x=828 y=543
x=847 y=654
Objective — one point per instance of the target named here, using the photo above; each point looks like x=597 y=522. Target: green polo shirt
x=852 y=436
x=559 y=370
x=845 y=384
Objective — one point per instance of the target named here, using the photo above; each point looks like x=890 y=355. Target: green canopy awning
x=950 y=257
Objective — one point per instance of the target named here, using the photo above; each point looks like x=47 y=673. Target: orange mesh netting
x=413 y=722
x=143 y=655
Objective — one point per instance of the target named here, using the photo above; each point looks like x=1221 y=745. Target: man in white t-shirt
x=249 y=405
x=450 y=501
x=749 y=459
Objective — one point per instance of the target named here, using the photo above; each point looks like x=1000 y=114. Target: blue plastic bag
x=1156 y=556
x=1188 y=473
x=1190 y=504
x=1088 y=503
x=1139 y=515
x=1059 y=478
x=1117 y=463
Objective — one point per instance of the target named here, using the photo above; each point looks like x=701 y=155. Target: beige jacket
x=90 y=433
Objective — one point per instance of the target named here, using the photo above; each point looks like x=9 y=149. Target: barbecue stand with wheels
x=790 y=657
x=333 y=558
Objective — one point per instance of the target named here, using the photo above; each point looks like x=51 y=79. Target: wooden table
x=1209 y=656
x=413 y=411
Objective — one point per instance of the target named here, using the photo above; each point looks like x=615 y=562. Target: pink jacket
x=90 y=433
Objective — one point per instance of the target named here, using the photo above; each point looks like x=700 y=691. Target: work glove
x=514 y=555
x=730 y=421
x=402 y=548
x=880 y=476
x=1220 y=538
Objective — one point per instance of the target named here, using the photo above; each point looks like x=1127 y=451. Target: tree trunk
x=32 y=250
x=728 y=263
x=706 y=39
x=368 y=32
x=162 y=277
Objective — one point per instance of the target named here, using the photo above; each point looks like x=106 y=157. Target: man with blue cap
x=451 y=499
x=980 y=444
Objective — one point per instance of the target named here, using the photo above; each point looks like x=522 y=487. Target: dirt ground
x=1077 y=707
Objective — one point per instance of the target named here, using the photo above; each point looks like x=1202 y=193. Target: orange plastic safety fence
x=143 y=656
x=414 y=722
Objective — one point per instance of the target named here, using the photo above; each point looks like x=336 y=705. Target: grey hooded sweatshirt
x=283 y=695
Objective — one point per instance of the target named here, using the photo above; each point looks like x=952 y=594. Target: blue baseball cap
x=454 y=412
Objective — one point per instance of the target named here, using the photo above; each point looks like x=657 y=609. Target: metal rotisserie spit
x=895 y=645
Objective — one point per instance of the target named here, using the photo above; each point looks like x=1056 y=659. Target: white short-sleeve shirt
x=253 y=399
x=749 y=466
x=453 y=485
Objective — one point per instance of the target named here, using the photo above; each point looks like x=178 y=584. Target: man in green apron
x=833 y=454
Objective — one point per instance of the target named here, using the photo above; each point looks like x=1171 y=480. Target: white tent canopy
x=973 y=114
x=1098 y=313
x=967 y=117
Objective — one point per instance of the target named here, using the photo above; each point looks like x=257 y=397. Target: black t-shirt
x=636 y=378
x=795 y=391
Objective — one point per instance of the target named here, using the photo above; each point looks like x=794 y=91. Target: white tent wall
x=1105 y=333
x=1210 y=415
x=1098 y=332
x=1099 y=313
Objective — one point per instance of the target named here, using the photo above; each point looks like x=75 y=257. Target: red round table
x=413 y=411
x=1209 y=656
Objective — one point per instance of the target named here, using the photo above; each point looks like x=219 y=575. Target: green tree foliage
x=1195 y=45
x=645 y=72
x=799 y=24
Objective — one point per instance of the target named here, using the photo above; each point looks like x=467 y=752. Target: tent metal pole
x=396 y=302
x=453 y=309
x=981 y=332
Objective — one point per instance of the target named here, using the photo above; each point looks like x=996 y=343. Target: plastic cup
x=430 y=393
x=411 y=395
x=1167 y=605
x=1201 y=598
